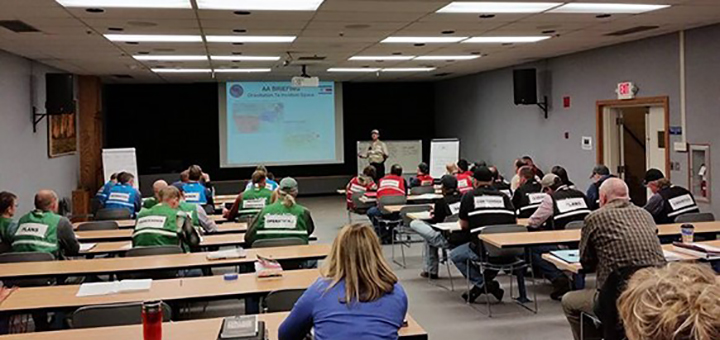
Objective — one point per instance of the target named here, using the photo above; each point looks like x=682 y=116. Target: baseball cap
x=288 y=184
x=549 y=180
x=449 y=182
x=653 y=175
x=483 y=174
x=375 y=131
x=601 y=170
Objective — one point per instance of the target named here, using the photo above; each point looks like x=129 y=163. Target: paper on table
x=127 y=246
x=107 y=288
x=672 y=256
x=421 y=215
x=87 y=246
x=448 y=226
x=227 y=254
x=428 y=196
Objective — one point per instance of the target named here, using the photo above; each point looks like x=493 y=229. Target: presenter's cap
x=376 y=131
x=288 y=184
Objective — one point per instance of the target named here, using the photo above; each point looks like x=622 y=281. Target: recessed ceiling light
x=382 y=57
x=419 y=45
x=423 y=40
x=249 y=39
x=260 y=5
x=607 y=8
x=497 y=7
x=181 y=70
x=238 y=43
x=143 y=52
x=171 y=57
x=447 y=57
x=95 y=10
x=548 y=32
x=242 y=70
x=408 y=69
x=153 y=38
x=501 y=40
x=603 y=16
x=243 y=58
x=353 y=69
x=132 y=42
x=126 y=3
x=242 y=13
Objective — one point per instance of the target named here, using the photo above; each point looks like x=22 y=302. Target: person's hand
x=5 y=292
x=206 y=177
x=225 y=212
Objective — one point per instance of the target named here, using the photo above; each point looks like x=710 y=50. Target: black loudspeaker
x=59 y=93
x=525 y=85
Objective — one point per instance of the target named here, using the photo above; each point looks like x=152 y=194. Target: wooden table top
x=397 y=208
x=155 y=262
x=198 y=288
x=424 y=197
x=126 y=234
x=220 y=200
x=203 y=329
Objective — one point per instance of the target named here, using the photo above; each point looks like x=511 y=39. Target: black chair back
x=281 y=300
x=120 y=314
x=150 y=251
x=425 y=189
x=695 y=217
x=98 y=225
x=27 y=257
x=113 y=215
x=606 y=305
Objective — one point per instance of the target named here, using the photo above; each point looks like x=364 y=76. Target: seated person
x=165 y=224
x=560 y=206
x=529 y=195
x=562 y=173
x=43 y=230
x=270 y=182
x=515 y=181
x=282 y=219
x=678 y=301
x=198 y=216
x=357 y=296
x=599 y=175
x=8 y=205
x=500 y=183
x=184 y=178
x=250 y=202
x=392 y=184
x=529 y=162
x=123 y=195
x=448 y=206
x=484 y=206
x=668 y=201
x=451 y=169
x=464 y=177
x=153 y=201
x=423 y=177
x=360 y=184
x=195 y=192
x=103 y=192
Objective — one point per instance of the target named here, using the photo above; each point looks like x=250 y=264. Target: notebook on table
x=569 y=256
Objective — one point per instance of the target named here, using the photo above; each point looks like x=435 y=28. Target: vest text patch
x=569 y=204
x=119 y=196
x=680 y=202
x=489 y=202
x=32 y=229
x=154 y=222
x=284 y=221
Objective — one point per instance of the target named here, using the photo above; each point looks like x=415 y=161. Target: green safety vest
x=158 y=226
x=37 y=232
x=254 y=200
x=191 y=210
x=279 y=221
x=150 y=202
x=7 y=229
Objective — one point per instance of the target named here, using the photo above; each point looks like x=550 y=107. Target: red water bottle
x=152 y=316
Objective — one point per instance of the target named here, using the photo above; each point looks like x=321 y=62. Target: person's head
x=288 y=191
x=526 y=173
x=126 y=178
x=495 y=173
x=528 y=161
x=194 y=173
x=170 y=196
x=396 y=169
x=357 y=258
x=114 y=177
x=448 y=184
x=185 y=176
x=562 y=173
x=599 y=171
x=259 y=178
x=375 y=134
x=477 y=164
x=655 y=180
x=8 y=204
x=46 y=200
x=613 y=189
x=451 y=168
x=270 y=176
x=678 y=302
x=369 y=171
x=423 y=169
x=519 y=163
x=483 y=176
x=157 y=186
x=463 y=165
x=261 y=168
x=550 y=183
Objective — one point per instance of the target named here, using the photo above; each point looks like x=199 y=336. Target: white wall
x=24 y=163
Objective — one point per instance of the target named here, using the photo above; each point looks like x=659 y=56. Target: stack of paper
x=448 y=226
x=430 y=196
x=265 y=267
x=699 y=250
x=115 y=287
x=237 y=253
x=87 y=246
x=672 y=256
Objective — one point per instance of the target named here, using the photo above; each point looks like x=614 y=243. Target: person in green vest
x=198 y=215
x=153 y=201
x=8 y=205
x=43 y=230
x=165 y=224
x=282 y=219
x=250 y=202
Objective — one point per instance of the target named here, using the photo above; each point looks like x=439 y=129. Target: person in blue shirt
x=123 y=195
x=195 y=192
x=357 y=296
x=270 y=182
x=104 y=191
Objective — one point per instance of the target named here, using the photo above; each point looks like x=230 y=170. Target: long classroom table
x=203 y=329
x=155 y=262
x=126 y=234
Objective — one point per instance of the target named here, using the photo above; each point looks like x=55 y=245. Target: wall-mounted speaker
x=59 y=93
x=525 y=86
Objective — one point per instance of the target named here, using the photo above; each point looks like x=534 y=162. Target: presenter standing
x=377 y=154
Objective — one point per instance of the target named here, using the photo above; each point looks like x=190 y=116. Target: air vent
x=18 y=26
x=122 y=76
x=633 y=30
x=313 y=58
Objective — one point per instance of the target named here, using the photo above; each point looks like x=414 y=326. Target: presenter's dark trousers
x=379 y=171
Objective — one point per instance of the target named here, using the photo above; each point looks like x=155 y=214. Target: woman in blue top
x=358 y=296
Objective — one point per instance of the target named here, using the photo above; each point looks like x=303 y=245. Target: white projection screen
x=276 y=124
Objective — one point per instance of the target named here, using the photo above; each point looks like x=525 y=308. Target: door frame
x=600 y=107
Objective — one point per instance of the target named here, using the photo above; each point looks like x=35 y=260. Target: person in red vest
x=464 y=176
x=391 y=185
x=423 y=177
x=360 y=184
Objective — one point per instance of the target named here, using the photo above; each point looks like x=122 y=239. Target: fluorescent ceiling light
x=423 y=40
x=242 y=70
x=386 y=57
x=260 y=5
x=497 y=7
x=171 y=57
x=181 y=70
x=242 y=58
x=590 y=8
x=249 y=39
x=447 y=57
x=353 y=69
x=408 y=69
x=503 y=40
x=126 y=3
x=153 y=38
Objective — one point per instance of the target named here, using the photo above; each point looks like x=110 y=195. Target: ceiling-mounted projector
x=305 y=81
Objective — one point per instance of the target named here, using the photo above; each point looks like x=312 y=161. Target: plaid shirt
x=616 y=236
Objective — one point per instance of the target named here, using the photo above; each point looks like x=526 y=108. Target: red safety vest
x=465 y=183
x=425 y=180
x=355 y=187
x=391 y=185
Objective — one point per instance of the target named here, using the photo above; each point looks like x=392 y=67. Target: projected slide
x=274 y=123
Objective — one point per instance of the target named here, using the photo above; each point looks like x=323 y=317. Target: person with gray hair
x=43 y=230
x=153 y=201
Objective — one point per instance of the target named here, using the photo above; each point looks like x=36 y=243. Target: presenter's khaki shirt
x=377 y=153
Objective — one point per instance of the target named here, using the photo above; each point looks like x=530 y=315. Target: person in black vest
x=599 y=175
x=499 y=182
x=529 y=195
x=562 y=173
x=561 y=206
x=481 y=207
x=668 y=201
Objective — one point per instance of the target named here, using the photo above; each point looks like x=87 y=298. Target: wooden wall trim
x=90 y=122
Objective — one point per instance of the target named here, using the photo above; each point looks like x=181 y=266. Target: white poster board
x=407 y=153
x=117 y=160
x=442 y=152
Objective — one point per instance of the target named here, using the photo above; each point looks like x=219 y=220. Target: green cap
x=288 y=184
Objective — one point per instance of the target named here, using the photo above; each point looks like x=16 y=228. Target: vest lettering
x=154 y=222
x=455 y=208
x=489 y=202
x=536 y=198
x=390 y=183
x=192 y=196
x=257 y=203
x=119 y=196
x=32 y=229
x=284 y=221
x=357 y=188
x=680 y=202
x=568 y=204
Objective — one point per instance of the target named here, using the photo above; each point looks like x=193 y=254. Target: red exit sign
x=626 y=90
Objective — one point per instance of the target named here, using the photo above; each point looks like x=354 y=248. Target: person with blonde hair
x=677 y=302
x=357 y=296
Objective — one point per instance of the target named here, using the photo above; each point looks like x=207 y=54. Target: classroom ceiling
x=72 y=38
